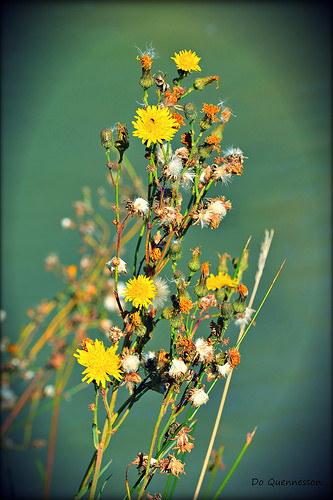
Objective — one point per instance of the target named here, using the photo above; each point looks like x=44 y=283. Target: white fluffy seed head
x=178 y=368
x=130 y=363
x=217 y=207
x=245 y=317
x=188 y=178
x=198 y=397
x=159 y=153
x=141 y=205
x=121 y=268
x=233 y=151
x=162 y=293
x=175 y=167
x=204 y=349
x=224 y=369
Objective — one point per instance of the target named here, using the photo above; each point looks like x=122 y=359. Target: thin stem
x=241 y=338
x=233 y=468
x=138 y=247
x=164 y=406
x=214 y=467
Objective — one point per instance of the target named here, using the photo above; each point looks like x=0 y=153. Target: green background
x=69 y=70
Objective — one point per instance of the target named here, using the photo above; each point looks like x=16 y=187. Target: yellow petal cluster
x=99 y=362
x=154 y=124
x=219 y=281
x=187 y=60
x=140 y=291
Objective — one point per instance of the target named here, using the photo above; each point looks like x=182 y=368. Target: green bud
x=227 y=310
x=200 y=289
x=194 y=263
x=220 y=358
x=167 y=312
x=219 y=130
x=140 y=330
x=175 y=250
x=223 y=266
x=205 y=150
x=220 y=294
x=200 y=83
x=147 y=80
x=205 y=123
x=190 y=111
x=176 y=320
x=239 y=305
x=181 y=289
x=106 y=138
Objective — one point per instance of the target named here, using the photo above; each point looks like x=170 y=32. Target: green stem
x=233 y=468
x=138 y=246
x=118 y=228
x=214 y=468
x=164 y=406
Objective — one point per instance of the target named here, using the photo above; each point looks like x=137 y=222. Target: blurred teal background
x=69 y=70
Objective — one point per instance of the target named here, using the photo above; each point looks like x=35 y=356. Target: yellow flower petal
x=187 y=60
x=219 y=281
x=154 y=124
x=99 y=362
x=140 y=291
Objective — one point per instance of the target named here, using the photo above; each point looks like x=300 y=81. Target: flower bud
x=122 y=142
x=194 y=263
x=227 y=310
x=190 y=111
x=200 y=288
x=218 y=131
x=175 y=250
x=223 y=266
x=140 y=330
x=221 y=294
x=176 y=320
x=205 y=123
x=200 y=83
x=147 y=80
x=167 y=312
x=239 y=304
x=106 y=138
x=220 y=358
x=205 y=150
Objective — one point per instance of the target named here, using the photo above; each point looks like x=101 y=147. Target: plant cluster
x=197 y=304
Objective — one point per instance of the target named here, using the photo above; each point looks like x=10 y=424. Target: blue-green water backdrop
x=69 y=70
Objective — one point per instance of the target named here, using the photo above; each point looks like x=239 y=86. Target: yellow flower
x=140 y=291
x=154 y=124
x=222 y=279
x=187 y=60
x=99 y=362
